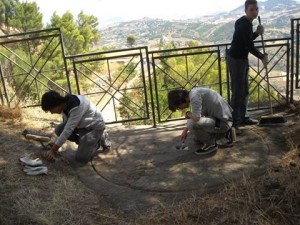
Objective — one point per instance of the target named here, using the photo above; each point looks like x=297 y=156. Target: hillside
x=275 y=15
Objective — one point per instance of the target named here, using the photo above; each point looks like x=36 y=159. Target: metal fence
x=131 y=85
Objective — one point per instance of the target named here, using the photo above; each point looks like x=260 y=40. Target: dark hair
x=52 y=99
x=176 y=98
x=249 y=2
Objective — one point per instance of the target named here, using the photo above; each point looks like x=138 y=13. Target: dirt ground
x=61 y=196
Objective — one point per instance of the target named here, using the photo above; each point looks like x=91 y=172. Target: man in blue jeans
x=237 y=60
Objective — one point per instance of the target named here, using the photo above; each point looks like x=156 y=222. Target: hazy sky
x=108 y=10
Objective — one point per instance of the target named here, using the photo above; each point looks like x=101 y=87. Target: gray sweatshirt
x=209 y=103
x=85 y=115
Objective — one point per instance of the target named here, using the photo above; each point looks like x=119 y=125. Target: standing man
x=238 y=63
x=82 y=123
x=210 y=116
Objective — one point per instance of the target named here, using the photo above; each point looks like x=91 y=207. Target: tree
x=27 y=17
x=7 y=11
x=131 y=40
x=87 y=26
x=79 y=36
x=73 y=40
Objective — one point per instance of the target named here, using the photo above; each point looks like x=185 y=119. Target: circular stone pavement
x=145 y=169
x=147 y=160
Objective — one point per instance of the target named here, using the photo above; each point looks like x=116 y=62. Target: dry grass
x=60 y=197
x=273 y=199
x=7 y=113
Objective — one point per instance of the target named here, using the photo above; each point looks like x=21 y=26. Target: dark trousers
x=238 y=69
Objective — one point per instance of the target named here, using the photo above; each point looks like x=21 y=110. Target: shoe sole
x=207 y=152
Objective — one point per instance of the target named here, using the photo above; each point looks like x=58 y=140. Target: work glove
x=260 y=30
x=265 y=60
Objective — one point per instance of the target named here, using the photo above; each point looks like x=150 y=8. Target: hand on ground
x=48 y=155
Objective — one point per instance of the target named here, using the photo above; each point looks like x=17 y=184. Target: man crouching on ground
x=82 y=123
x=210 y=116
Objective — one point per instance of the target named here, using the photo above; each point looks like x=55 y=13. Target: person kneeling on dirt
x=210 y=118
x=82 y=123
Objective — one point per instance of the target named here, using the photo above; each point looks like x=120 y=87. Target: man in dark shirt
x=237 y=60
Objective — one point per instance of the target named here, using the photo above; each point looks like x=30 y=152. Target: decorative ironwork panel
x=116 y=82
x=185 y=68
x=27 y=67
x=277 y=71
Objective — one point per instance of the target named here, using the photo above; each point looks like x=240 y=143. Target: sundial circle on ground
x=146 y=159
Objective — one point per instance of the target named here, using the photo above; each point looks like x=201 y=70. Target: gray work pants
x=87 y=139
x=239 y=69
x=205 y=130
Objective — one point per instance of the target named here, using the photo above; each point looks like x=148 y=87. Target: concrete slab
x=145 y=169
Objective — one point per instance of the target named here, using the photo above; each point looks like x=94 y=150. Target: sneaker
x=104 y=144
x=249 y=121
x=102 y=149
x=206 y=149
x=227 y=140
